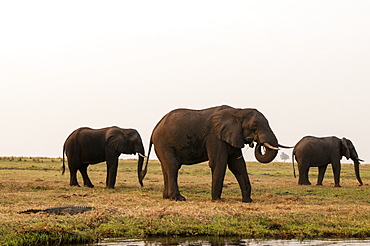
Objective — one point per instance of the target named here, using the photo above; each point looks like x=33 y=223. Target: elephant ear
x=115 y=139
x=227 y=128
x=345 y=149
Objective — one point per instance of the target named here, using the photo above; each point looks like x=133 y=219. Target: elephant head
x=127 y=141
x=349 y=151
x=245 y=126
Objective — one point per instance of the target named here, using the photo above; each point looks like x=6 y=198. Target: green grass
x=281 y=208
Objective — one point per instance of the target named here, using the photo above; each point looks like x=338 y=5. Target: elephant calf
x=319 y=152
x=87 y=146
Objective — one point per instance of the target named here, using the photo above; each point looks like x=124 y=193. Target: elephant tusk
x=359 y=159
x=285 y=147
x=270 y=147
x=141 y=155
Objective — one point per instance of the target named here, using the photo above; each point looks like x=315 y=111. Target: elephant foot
x=304 y=183
x=109 y=187
x=248 y=200
x=219 y=199
x=178 y=198
x=337 y=185
x=89 y=185
x=216 y=198
x=319 y=184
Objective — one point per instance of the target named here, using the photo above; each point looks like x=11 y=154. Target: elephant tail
x=63 y=167
x=143 y=172
x=295 y=176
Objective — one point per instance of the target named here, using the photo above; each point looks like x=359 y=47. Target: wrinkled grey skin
x=87 y=146
x=217 y=134
x=319 y=152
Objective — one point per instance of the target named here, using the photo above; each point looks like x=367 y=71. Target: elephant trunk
x=141 y=173
x=140 y=162
x=270 y=144
x=63 y=167
x=267 y=157
x=357 y=171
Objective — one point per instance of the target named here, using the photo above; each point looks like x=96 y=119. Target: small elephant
x=86 y=146
x=319 y=152
x=217 y=134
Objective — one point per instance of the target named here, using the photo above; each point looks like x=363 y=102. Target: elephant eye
x=253 y=126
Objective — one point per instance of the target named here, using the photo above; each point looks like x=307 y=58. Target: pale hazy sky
x=65 y=64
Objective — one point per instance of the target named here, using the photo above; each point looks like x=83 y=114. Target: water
x=228 y=241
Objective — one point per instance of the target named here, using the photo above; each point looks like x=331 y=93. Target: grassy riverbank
x=281 y=208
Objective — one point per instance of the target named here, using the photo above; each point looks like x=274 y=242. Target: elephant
x=216 y=134
x=86 y=146
x=319 y=152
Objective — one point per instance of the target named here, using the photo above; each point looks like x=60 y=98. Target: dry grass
x=281 y=208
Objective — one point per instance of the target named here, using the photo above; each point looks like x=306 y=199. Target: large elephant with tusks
x=217 y=134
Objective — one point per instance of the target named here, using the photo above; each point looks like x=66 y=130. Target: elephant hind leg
x=172 y=192
x=73 y=175
x=170 y=169
x=166 y=195
x=320 y=177
x=85 y=177
x=303 y=168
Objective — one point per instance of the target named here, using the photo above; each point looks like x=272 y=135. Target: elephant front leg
x=111 y=157
x=336 y=171
x=218 y=175
x=112 y=167
x=238 y=167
